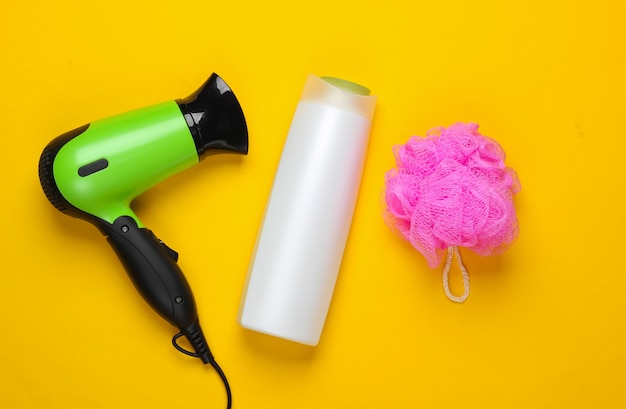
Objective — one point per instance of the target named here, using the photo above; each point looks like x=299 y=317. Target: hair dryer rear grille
x=46 y=170
x=46 y=178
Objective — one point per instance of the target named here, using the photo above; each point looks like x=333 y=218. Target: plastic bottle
x=298 y=253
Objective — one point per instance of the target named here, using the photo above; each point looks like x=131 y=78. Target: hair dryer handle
x=153 y=270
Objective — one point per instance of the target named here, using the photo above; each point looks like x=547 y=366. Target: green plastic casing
x=141 y=148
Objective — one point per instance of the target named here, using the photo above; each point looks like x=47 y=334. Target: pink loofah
x=451 y=189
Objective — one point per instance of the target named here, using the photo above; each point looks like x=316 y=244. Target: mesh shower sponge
x=452 y=189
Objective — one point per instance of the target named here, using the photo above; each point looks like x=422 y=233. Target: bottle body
x=301 y=242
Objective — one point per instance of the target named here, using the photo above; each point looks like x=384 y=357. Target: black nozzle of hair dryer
x=215 y=118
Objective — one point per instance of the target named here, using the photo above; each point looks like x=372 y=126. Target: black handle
x=153 y=270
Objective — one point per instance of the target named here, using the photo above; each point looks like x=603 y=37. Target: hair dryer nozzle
x=215 y=118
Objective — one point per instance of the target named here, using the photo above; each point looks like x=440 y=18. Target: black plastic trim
x=93 y=167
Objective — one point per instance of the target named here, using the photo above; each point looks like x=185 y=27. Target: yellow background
x=545 y=324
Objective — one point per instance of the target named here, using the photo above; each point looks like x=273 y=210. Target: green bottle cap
x=346 y=85
x=339 y=93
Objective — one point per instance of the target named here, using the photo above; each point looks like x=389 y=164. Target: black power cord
x=213 y=363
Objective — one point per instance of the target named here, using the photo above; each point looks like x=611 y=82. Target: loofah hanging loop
x=452 y=189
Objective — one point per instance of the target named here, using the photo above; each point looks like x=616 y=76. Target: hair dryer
x=95 y=171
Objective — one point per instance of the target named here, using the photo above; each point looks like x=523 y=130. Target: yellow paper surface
x=545 y=323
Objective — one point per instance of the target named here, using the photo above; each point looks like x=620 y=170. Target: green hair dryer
x=95 y=171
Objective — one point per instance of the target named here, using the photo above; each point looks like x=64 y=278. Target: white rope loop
x=454 y=251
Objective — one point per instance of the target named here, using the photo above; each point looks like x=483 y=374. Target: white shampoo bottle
x=301 y=242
